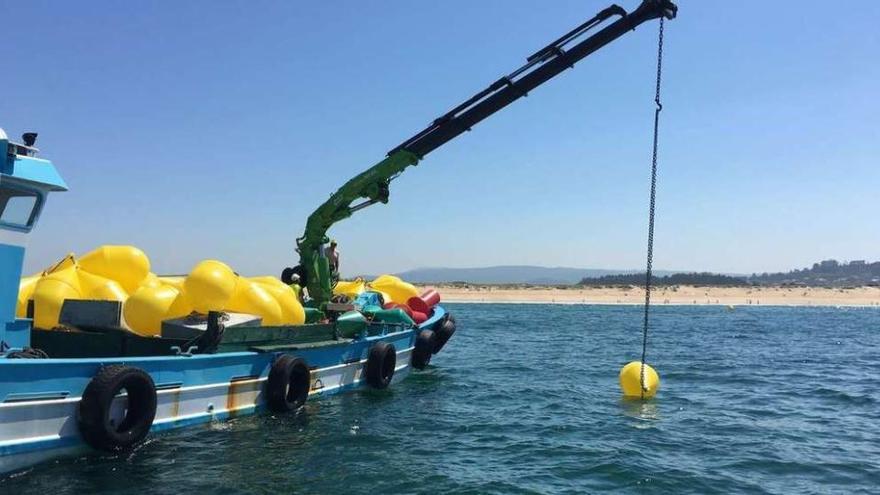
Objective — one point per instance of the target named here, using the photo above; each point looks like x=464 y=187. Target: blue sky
x=212 y=129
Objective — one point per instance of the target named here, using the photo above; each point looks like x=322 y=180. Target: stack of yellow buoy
x=392 y=288
x=109 y=273
x=122 y=273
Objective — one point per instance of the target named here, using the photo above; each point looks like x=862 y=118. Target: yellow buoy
x=100 y=288
x=631 y=380
x=151 y=280
x=352 y=288
x=292 y=312
x=148 y=306
x=251 y=298
x=209 y=286
x=267 y=280
x=25 y=292
x=50 y=293
x=396 y=289
x=173 y=281
x=127 y=265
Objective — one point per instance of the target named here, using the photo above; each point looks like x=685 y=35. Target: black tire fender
x=290 y=380
x=426 y=340
x=96 y=425
x=381 y=361
x=444 y=331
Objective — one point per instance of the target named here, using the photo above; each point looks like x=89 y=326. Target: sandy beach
x=679 y=295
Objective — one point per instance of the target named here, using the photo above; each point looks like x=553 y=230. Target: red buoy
x=425 y=302
x=406 y=309
x=419 y=317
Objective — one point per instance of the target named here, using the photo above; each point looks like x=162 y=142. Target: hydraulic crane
x=372 y=186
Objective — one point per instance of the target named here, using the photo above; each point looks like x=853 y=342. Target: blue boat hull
x=40 y=397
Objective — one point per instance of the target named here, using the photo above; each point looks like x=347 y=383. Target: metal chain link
x=651 y=208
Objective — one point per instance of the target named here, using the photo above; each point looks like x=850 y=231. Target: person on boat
x=332 y=256
x=298 y=289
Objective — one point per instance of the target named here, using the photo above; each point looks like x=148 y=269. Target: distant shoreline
x=668 y=296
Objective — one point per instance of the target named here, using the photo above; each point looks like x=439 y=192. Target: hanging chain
x=648 y=275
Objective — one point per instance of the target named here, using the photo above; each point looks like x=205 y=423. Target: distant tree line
x=827 y=273
x=703 y=278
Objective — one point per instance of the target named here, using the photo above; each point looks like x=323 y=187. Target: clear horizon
x=212 y=130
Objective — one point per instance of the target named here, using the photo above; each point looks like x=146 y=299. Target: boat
x=97 y=385
x=101 y=387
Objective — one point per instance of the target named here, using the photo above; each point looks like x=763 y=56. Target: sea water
x=524 y=399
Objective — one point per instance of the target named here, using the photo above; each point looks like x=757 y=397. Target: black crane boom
x=542 y=66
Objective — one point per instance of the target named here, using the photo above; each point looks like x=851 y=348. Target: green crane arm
x=372 y=185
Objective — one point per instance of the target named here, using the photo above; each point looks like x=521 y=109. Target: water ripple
x=525 y=400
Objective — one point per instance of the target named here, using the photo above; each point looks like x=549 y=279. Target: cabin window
x=18 y=207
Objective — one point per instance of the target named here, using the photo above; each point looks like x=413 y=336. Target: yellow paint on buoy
x=631 y=380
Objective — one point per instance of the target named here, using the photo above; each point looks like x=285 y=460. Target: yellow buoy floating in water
x=631 y=381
